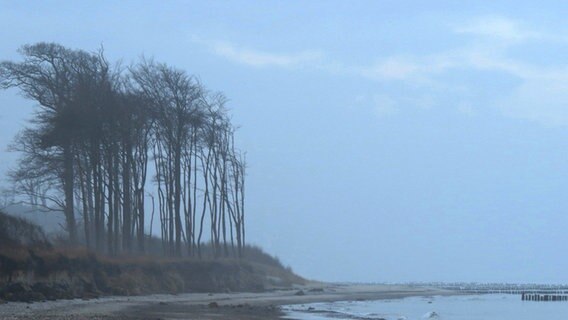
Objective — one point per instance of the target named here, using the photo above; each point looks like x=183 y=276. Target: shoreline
x=239 y=306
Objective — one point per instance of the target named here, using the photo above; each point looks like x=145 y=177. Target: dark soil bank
x=36 y=275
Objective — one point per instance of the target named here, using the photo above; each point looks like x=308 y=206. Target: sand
x=237 y=306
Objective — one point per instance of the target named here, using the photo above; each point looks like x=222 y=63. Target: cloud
x=544 y=100
x=498 y=27
x=538 y=95
x=542 y=91
x=408 y=68
x=256 y=58
x=383 y=105
x=392 y=68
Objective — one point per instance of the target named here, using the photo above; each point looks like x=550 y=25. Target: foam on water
x=479 y=307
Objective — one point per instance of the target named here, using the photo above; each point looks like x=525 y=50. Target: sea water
x=478 y=307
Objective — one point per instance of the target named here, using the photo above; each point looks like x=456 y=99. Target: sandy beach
x=263 y=305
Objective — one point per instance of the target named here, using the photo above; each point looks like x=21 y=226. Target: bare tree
x=47 y=75
x=98 y=128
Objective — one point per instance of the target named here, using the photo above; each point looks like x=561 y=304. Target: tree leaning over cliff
x=47 y=76
x=98 y=129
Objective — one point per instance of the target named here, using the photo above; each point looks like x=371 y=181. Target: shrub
x=20 y=232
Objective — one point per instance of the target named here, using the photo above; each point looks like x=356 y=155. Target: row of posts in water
x=557 y=293
x=514 y=291
x=543 y=297
x=531 y=295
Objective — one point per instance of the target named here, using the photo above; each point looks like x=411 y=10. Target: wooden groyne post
x=525 y=296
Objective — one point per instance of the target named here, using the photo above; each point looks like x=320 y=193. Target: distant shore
x=237 y=306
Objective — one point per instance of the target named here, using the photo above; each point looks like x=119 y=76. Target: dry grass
x=37 y=270
x=84 y=274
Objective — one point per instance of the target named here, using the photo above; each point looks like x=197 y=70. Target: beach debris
x=300 y=293
x=431 y=315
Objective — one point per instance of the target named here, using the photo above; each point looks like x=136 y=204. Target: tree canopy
x=105 y=140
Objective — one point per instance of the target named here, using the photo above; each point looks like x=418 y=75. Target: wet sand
x=204 y=306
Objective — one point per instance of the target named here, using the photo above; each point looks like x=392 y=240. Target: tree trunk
x=68 y=180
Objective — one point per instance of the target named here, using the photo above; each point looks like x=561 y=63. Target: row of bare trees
x=106 y=140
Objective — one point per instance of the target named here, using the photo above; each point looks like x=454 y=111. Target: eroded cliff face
x=28 y=274
x=32 y=269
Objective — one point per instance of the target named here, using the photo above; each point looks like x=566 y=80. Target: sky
x=387 y=141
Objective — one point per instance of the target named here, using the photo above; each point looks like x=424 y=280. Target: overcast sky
x=386 y=140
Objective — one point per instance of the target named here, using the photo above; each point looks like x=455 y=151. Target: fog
x=386 y=142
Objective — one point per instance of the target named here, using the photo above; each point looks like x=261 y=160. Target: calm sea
x=479 y=307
